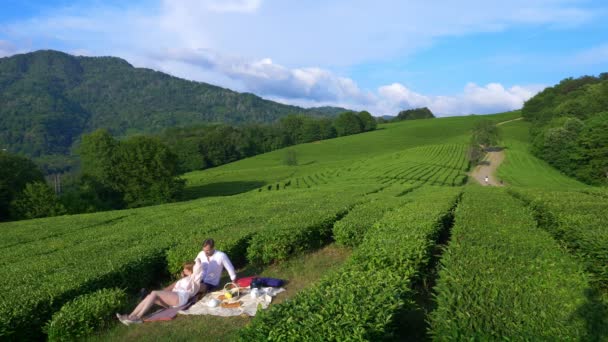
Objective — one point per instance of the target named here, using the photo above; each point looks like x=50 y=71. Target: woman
x=175 y=295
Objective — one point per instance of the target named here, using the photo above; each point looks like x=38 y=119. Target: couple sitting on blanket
x=201 y=276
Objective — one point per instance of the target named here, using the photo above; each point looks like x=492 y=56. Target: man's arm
x=228 y=265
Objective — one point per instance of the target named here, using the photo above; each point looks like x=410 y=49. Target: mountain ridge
x=49 y=98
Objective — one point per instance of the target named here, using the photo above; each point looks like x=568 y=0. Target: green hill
x=569 y=127
x=50 y=98
x=423 y=246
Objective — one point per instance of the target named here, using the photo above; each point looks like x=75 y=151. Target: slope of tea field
x=390 y=195
x=521 y=168
x=400 y=140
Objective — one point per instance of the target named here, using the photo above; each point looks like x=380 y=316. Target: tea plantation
x=433 y=257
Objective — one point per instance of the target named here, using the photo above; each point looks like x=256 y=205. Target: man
x=213 y=263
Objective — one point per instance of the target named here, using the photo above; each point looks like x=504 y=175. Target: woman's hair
x=189 y=266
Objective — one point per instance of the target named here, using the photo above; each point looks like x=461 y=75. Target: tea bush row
x=503 y=278
x=578 y=220
x=359 y=302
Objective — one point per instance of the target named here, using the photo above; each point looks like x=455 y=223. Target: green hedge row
x=283 y=238
x=580 y=221
x=351 y=229
x=128 y=249
x=503 y=278
x=359 y=301
x=85 y=314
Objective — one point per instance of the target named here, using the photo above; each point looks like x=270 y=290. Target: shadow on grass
x=219 y=189
x=411 y=322
x=595 y=314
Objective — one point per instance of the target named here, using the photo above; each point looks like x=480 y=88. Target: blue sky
x=456 y=57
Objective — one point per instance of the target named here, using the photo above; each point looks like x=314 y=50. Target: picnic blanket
x=248 y=305
x=167 y=314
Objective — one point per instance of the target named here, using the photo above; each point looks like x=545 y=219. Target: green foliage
x=557 y=142
x=348 y=123
x=577 y=220
x=521 y=168
x=97 y=151
x=569 y=125
x=414 y=114
x=37 y=200
x=359 y=301
x=132 y=248
x=485 y=133
x=350 y=230
x=502 y=278
x=141 y=169
x=201 y=147
x=89 y=195
x=15 y=173
x=367 y=120
x=129 y=249
x=591 y=152
x=86 y=314
x=291 y=158
x=145 y=172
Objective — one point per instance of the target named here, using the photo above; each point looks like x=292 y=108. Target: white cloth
x=249 y=306
x=213 y=267
x=192 y=283
x=183 y=298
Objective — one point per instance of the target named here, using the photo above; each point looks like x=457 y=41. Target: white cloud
x=491 y=98
x=266 y=78
x=284 y=50
x=317 y=87
x=7 y=48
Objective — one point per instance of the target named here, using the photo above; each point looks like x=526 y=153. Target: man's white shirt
x=214 y=265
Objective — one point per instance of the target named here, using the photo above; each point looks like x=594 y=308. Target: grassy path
x=490 y=164
x=505 y=122
x=300 y=272
x=488 y=168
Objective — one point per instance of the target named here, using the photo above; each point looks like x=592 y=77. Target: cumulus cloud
x=266 y=78
x=475 y=99
x=226 y=42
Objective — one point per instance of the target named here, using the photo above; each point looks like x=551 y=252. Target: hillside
x=569 y=127
x=426 y=246
x=49 y=98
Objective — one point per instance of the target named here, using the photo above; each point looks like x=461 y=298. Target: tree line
x=144 y=170
x=206 y=146
x=484 y=136
x=570 y=127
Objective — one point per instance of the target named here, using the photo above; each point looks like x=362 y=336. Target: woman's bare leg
x=165 y=298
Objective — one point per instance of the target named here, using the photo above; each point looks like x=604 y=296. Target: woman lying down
x=175 y=295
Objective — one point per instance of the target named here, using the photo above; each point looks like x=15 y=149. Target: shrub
x=502 y=278
x=85 y=314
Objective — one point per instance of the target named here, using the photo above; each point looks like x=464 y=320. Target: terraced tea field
x=523 y=263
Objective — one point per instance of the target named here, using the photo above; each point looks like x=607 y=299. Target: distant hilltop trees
x=414 y=114
x=408 y=114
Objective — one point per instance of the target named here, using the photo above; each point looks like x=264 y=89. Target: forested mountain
x=570 y=127
x=49 y=98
